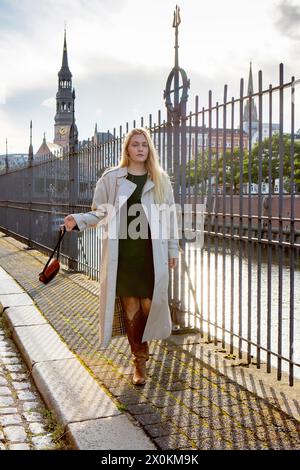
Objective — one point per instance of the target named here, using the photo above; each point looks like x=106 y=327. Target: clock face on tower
x=62 y=130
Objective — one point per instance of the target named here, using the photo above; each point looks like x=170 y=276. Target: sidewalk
x=187 y=402
x=25 y=422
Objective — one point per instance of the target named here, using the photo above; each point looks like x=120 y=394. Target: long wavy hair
x=156 y=172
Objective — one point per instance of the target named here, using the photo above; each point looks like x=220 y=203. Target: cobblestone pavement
x=184 y=405
x=25 y=423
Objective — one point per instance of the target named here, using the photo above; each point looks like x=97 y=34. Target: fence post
x=73 y=189
x=30 y=188
x=176 y=112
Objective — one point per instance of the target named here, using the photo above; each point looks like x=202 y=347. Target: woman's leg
x=131 y=306
x=146 y=305
x=135 y=321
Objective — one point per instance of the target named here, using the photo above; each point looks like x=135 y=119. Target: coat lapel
x=125 y=187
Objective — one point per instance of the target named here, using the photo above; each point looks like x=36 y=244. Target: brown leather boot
x=135 y=330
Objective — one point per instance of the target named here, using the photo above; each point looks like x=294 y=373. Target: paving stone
x=10 y=360
x=131 y=399
x=5 y=391
x=222 y=400
x=33 y=417
x=43 y=442
x=214 y=443
x=163 y=401
x=21 y=385
x=248 y=445
x=5 y=344
x=275 y=436
x=191 y=398
x=5 y=420
x=15 y=368
x=21 y=446
x=3 y=381
x=218 y=421
x=175 y=386
x=141 y=409
x=30 y=405
x=27 y=395
x=173 y=442
x=251 y=418
x=154 y=392
x=237 y=434
x=150 y=419
x=283 y=446
x=120 y=389
x=19 y=376
x=37 y=428
x=158 y=430
x=8 y=411
x=8 y=353
x=184 y=420
x=15 y=433
x=240 y=412
x=6 y=401
x=199 y=431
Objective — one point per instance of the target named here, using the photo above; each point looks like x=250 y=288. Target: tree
x=217 y=168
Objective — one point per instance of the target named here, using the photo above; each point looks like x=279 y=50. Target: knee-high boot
x=135 y=330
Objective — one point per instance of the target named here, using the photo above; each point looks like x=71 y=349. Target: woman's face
x=138 y=149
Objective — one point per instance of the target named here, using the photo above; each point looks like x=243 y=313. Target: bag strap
x=57 y=247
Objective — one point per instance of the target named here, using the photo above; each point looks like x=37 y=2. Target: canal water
x=212 y=293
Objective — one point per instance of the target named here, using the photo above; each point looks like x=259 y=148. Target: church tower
x=64 y=102
x=246 y=117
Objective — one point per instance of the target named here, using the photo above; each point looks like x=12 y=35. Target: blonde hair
x=158 y=175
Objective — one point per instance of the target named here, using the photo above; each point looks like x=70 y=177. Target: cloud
x=2 y=93
x=288 y=19
x=49 y=102
x=121 y=52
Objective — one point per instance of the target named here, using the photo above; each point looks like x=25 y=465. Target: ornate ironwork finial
x=6 y=157
x=176 y=18
x=176 y=104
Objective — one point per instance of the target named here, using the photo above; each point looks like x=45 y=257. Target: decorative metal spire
x=73 y=136
x=176 y=23
x=6 y=157
x=30 y=151
x=176 y=105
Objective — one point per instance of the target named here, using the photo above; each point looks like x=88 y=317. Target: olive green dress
x=135 y=277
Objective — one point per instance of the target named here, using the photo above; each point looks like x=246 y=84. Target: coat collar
x=123 y=172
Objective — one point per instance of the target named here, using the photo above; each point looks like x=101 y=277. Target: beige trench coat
x=114 y=182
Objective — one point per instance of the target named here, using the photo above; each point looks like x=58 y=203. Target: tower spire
x=64 y=101
x=250 y=120
x=250 y=81
x=30 y=151
x=65 y=66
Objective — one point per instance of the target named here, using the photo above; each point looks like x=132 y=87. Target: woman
x=135 y=261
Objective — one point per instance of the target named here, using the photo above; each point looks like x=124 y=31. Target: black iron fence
x=239 y=159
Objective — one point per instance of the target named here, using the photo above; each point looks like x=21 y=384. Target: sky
x=120 y=54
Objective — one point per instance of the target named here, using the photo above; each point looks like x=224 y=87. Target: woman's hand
x=69 y=223
x=172 y=263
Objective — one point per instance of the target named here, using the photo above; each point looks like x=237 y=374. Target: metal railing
x=239 y=288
